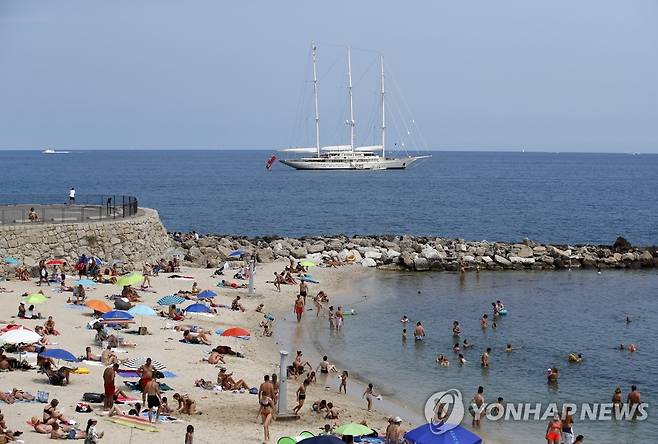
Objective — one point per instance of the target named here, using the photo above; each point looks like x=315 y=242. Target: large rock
x=431 y=253
x=621 y=244
x=299 y=252
x=408 y=258
x=265 y=255
x=373 y=254
x=368 y=262
x=502 y=261
x=421 y=264
x=525 y=251
x=317 y=247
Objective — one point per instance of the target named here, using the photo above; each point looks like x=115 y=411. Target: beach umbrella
x=171 y=299
x=19 y=336
x=117 y=315
x=53 y=262
x=85 y=282
x=98 y=305
x=98 y=261
x=13 y=327
x=10 y=260
x=59 y=353
x=236 y=331
x=427 y=434
x=206 y=294
x=324 y=439
x=236 y=253
x=138 y=362
x=36 y=298
x=353 y=429
x=309 y=264
x=142 y=310
x=197 y=308
x=130 y=279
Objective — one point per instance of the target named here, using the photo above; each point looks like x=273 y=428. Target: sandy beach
x=233 y=416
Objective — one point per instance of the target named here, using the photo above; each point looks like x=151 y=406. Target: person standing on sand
x=189 y=434
x=343 y=382
x=146 y=373
x=152 y=397
x=265 y=411
x=369 y=393
x=299 y=308
x=266 y=388
x=301 y=396
x=477 y=406
x=303 y=290
x=108 y=384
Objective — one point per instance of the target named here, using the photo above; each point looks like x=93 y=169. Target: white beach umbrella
x=19 y=336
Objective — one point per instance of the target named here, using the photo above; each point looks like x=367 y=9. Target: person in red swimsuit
x=554 y=431
x=299 y=308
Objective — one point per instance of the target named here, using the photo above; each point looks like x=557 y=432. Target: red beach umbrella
x=236 y=331
x=53 y=262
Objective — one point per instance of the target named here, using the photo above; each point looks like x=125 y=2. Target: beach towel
x=163 y=418
x=93 y=363
x=123 y=399
x=134 y=386
x=135 y=425
x=184 y=341
x=81 y=371
x=133 y=373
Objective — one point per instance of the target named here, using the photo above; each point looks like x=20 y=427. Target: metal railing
x=36 y=209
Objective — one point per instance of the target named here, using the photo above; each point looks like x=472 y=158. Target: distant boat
x=50 y=151
x=347 y=157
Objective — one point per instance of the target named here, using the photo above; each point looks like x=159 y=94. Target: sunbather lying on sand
x=59 y=432
x=215 y=358
x=20 y=395
x=196 y=338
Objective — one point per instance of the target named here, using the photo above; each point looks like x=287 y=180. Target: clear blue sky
x=551 y=75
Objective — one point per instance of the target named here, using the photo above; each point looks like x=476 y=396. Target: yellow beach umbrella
x=130 y=279
x=35 y=298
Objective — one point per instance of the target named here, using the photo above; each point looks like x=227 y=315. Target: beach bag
x=93 y=397
x=43 y=396
x=83 y=407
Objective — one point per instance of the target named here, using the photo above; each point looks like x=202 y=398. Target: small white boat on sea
x=51 y=151
x=349 y=156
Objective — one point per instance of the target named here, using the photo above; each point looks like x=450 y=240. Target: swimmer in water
x=484 y=321
x=456 y=329
x=404 y=320
x=494 y=325
x=575 y=358
x=628 y=319
x=552 y=375
x=467 y=344
x=632 y=348
x=621 y=347
x=404 y=334
x=462 y=360
x=484 y=360
x=510 y=349
x=496 y=310
x=455 y=348
x=419 y=332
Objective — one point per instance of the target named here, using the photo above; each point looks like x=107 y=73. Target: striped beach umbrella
x=171 y=299
x=138 y=362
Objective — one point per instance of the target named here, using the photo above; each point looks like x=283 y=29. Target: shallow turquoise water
x=551 y=314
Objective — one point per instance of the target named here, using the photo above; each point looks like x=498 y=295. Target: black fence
x=35 y=209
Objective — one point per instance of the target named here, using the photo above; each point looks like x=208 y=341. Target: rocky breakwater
x=422 y=253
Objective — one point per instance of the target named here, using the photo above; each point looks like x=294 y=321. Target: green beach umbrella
x=130 y=279
x=308 y=264
x=35 y=298
x=353 y=429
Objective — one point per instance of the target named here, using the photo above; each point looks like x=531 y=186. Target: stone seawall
x=132 y=240
x=423 y=253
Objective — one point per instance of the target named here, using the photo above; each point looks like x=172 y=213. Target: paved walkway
x=19 y=214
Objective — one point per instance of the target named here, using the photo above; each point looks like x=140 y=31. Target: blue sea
x=548 y=197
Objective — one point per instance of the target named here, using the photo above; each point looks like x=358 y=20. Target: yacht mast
x=315 y=96
x=381 y=59
x=350 y=122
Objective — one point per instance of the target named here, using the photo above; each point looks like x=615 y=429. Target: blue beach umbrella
x=117 y=315
x=197 y=308
x=86 y=282
x=206 y=294
x=236 y=253
x=427 y=434
x=98 y=261
x=142 y=310
x=58 y=353
x=10 y=260
x=171 y=299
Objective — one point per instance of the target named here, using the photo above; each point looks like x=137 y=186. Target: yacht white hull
x=376 y=163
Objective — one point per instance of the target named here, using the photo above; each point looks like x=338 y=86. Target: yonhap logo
x=444 y=411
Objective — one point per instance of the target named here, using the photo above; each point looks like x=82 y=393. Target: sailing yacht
x=347 y=157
